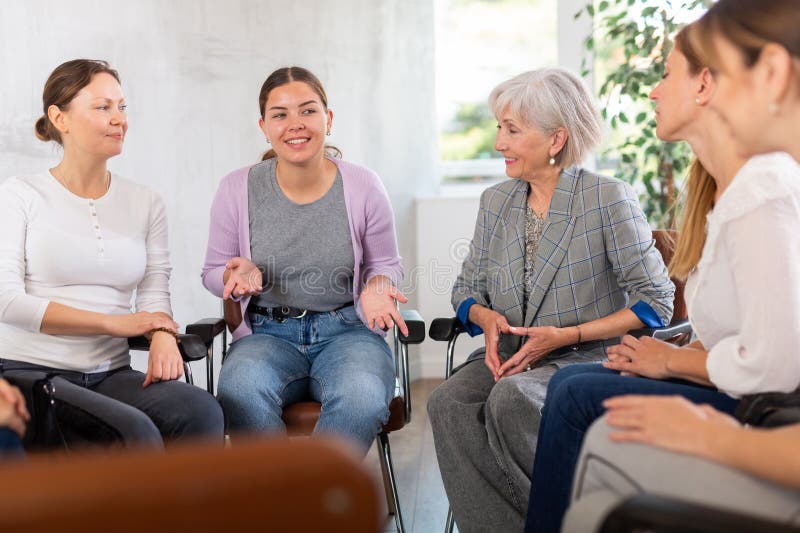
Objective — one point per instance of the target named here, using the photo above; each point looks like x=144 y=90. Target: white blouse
x=88 y=254
x=744 y=296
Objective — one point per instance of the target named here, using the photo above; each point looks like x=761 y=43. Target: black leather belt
x=284 y=312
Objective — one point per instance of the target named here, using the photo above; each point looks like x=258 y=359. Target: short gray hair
x=548 y=99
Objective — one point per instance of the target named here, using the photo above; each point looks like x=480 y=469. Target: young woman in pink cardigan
x=305 y=244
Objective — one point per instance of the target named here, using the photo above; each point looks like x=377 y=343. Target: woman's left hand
x=645 y=356
x=541 y=341
x=670 y=422
x=165 y=362
x=378 y=304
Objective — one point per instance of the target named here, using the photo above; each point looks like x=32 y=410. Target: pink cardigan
x=371 y=230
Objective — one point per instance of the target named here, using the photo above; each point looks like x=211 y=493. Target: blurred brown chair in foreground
x=257 y=485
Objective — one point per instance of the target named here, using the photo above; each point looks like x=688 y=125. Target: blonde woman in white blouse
x=78 y=245
x=742 y=292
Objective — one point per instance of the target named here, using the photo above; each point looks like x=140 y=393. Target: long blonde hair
x=700 y=190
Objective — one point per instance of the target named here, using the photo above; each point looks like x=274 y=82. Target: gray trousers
x=485 y=437
x=609 y=472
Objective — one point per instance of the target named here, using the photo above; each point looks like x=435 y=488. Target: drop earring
x=552 y=161
x=268 y=141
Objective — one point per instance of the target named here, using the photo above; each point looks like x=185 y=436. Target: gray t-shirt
x=305 y=251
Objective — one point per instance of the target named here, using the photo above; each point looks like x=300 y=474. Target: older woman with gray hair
x=561 y=264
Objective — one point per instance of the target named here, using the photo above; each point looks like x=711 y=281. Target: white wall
x=192 y=69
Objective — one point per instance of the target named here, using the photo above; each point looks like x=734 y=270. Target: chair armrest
x=446 y=329
x=207 y=329
x=191 y=347
x=416 y=327
x=682 y=327
x=657 y=513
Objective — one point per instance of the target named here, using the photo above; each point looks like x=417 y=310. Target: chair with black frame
x=660 y=514
x=44 y=432
x=678 y=331
x=301 y=417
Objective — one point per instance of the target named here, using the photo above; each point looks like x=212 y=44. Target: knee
x=510 y=404
x=139 y=430
x=439 y=405
x=369 y=400
x=203 y=415
x=572 y=399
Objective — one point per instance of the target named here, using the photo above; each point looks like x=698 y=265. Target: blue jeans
x=332 y=358
x=574 y=400
x=10 y=444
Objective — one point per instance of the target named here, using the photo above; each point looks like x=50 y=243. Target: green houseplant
x=631 y=40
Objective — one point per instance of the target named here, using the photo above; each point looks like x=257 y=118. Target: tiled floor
x=422 y=498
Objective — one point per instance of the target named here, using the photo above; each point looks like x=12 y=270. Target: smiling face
x=95 y=121
x=676 y=97
x=525 y=149
x=295 y=121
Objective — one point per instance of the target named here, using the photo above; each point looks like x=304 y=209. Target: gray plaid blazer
x=596 y=256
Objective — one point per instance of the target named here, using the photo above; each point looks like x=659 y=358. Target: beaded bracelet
x=167 y=330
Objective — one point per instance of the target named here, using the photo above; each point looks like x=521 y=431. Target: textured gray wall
x=191 y=71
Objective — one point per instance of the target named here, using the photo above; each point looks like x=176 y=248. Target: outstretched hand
x=378 y=304
x=242 y=278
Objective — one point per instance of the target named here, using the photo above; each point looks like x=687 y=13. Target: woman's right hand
x=493 y=324
x=242 y=278
x=135 y=324
x=13 y=413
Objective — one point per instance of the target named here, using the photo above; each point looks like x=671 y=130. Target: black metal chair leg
x=187 y=372
x=390 y=483
x=448 y=526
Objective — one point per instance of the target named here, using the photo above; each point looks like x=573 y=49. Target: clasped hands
x=645 y=356
x=540 y=341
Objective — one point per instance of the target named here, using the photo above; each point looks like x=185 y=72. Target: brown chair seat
x=301 y=417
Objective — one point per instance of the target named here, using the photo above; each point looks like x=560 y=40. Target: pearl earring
x=697 y=101
x=552 y=161
x=773 y=108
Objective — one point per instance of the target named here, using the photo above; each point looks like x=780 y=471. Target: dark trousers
x=112 y=407
x=574 y=400
x=10 y=445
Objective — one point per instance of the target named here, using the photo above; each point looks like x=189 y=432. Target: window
x=480 y=43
